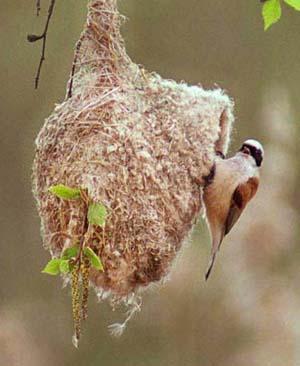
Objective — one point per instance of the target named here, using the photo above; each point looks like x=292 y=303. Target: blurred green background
x=249 y=311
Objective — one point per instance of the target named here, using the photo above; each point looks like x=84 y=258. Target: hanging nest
x=140 y=145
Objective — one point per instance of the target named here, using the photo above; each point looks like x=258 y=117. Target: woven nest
x=141 y=145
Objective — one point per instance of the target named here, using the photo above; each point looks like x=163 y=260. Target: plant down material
x=139 y=144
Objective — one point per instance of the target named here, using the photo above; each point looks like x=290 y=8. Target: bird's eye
x=246 y=150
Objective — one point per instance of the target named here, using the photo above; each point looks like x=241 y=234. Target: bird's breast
x=228 y=175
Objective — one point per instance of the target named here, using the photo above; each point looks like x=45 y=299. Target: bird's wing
x=241 y=196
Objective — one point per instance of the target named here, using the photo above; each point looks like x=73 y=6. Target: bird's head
x=255 y=149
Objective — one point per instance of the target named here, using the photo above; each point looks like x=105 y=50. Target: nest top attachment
x=139 y=144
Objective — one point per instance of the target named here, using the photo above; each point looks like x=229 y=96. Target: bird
x=232 y=183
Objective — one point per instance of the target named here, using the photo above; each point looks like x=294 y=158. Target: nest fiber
x=140 y=145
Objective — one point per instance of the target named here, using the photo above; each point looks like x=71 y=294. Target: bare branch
x=43 y=36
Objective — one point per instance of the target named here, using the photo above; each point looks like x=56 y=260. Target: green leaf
x=64 y=266
x=271 y=12
x=71 y=252
x=52 y=267
x=293 y=3
x=97 y=214
x=65 y=192
x=95 y=260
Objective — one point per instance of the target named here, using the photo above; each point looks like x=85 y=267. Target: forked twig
x=34 y=38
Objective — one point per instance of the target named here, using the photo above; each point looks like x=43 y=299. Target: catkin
x=76 y=304
x=85 y=272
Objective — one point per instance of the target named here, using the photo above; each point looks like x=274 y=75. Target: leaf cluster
x=96 y=215
x=97 y=212
x=65 y=263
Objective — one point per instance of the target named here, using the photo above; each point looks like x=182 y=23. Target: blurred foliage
x=248 y=312
x=272 y=10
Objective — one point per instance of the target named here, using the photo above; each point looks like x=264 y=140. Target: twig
x=77 y=49
x=34 y=38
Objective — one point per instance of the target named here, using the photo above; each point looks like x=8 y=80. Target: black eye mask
x=255 y=153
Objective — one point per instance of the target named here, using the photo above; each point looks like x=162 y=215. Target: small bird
x=233 y=182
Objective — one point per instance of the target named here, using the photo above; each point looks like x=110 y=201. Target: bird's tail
x=215 y=248
x=210 y=266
